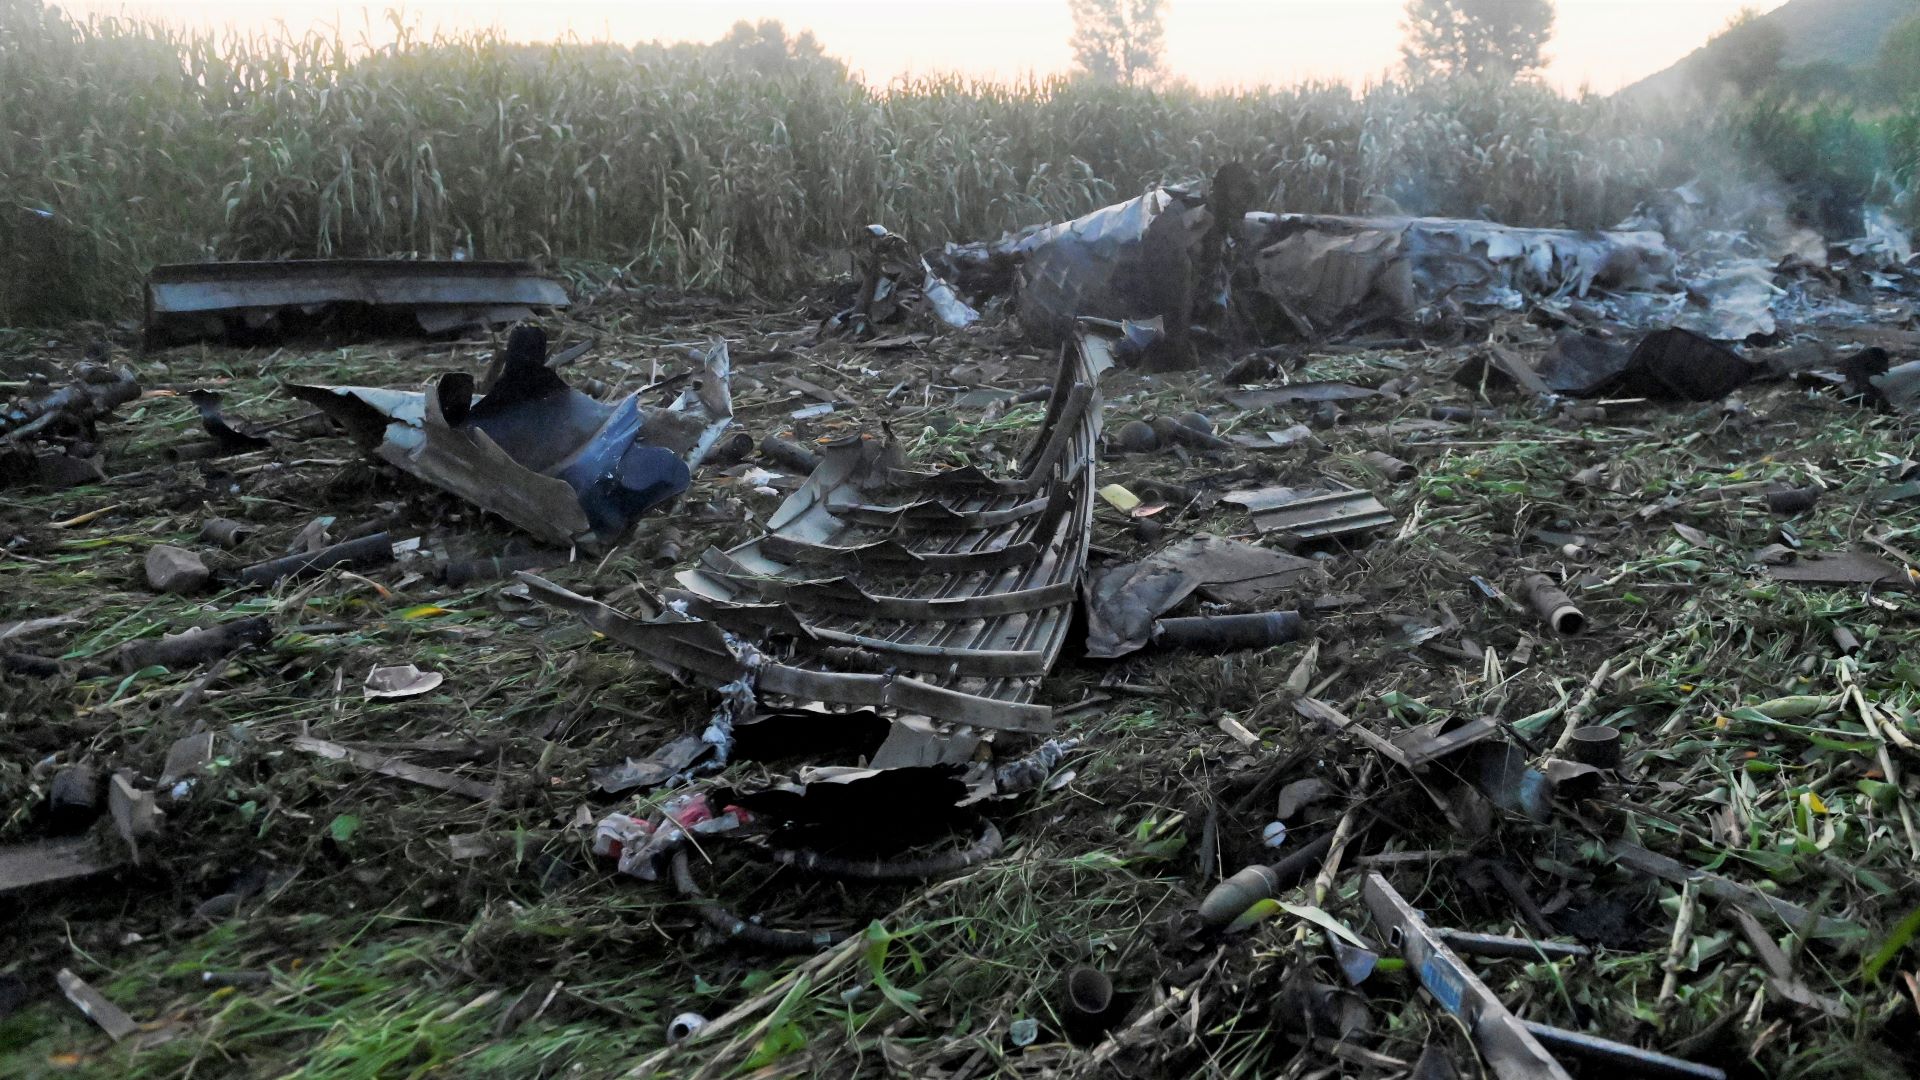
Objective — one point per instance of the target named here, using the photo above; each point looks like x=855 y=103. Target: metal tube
x=1498 y=945
x=1224 y=633
x=1641 y=1062
x=1555 y=606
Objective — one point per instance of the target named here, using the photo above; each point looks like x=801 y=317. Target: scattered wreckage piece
x=789 y=454
x=1393 y=468
x=366 y=551
x=49 y=862
x=941 y=598
x=388 y=765
x=192 y=647
x=1159 y=256
x=1268 y=397
x=1313 y=515
x=1746 y=897
x=1514 y=1049
x=1872 y=376
x=1666 y=365
x=886 y=264
x=1554 y=606
x=1124 y=602
x=1842 y=568
x=556 y=462
x=1228 y=633
x=69 y=414
x=1318 y=276
x=1736 y=301
x=94 y=1005
x=1510 y=1050
x=252 y=301
x=227 y=439
x=227 y=532
x=1259 y=882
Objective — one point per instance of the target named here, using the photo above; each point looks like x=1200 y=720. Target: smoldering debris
x=1160 y=258
x=1203 y=256
x=1321 y=277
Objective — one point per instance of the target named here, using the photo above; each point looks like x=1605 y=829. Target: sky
x=1598 y=44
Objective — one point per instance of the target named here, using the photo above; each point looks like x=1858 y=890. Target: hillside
x=1843 y=32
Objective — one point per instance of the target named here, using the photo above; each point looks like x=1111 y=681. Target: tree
x=766 y=48
x=1120 y=41
x=1899 y=67
x=1502 y=38
x=1748 y=52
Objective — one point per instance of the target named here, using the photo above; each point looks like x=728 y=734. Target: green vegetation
x=702 y=167
x=741 y=166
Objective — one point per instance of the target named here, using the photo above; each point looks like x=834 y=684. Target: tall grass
x=693 y=169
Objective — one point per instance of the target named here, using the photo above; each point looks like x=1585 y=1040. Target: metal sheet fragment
x=937 y=599
x=194 y=301
x=1313 y=515
x=563 y=466
x=1124 y=601
x=1322 y=276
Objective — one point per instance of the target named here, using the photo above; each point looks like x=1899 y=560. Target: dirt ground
x=295 y=915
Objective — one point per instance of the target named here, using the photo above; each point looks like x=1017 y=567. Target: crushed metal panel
x=1844 y=568
x=850 y=601
x=1313 y=515
x=1329 y=274
x=47 y=863
x=1123 y=601
x=556 y=462
x=190 y=301
x=1160 y=256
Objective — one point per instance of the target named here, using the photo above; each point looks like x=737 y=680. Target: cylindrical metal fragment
x=1596 y=745
x=731 y=450
x=73 y=799
x=682 y=1027
x=1171 y=431
x=788 y=453
x=1086 y=995
x=227 y=532
x=1391 y=467
x=1136 y=437
x=1460 y=413
x=1224 y=633
x=377 y=548
x=494 y=567
x=1793 y=500
x=1256 y=883
x=1844 y=640
x=1555 y=606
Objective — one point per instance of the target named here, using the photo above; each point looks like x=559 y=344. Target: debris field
x=1183 y=641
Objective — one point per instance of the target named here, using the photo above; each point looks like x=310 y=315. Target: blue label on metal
x=1443 y=983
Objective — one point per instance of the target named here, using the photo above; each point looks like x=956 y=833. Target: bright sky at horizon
x=1601 y=44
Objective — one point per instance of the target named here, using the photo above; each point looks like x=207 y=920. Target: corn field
x=682 y=167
